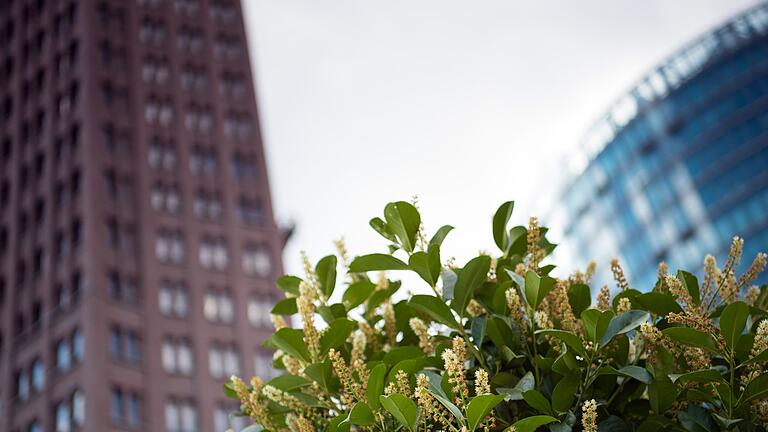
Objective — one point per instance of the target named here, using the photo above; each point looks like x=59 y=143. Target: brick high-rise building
x=138 y=248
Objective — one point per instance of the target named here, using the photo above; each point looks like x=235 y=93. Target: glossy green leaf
x=360 y=415
x=530 y=424
x=440 y=235
x=689 y=336
x=565 y=392
x=691 y=284
x=639 y=373
x=757 y=389
x=537 y=401
x=357 y=293
x=291 y=341
x=657 y=303
x=662 y=393
x=479 y=407
x=322 y=374
x=427 y=264
x=289 y=382
x=381 y=227
x=286 y=306
x=500 y=220
x=289 y=284
x=474 y=273
x=525 y=383
x=537 y=288
x=403 y=220
x=376 y=262
x=326 y=274
x=596 y=323
x=375 y=385
x=435 y=309
x=702 y=376
x=623 y=323
x=732 y=322
x=337 y=332
x=579 y=298
x=402 y=409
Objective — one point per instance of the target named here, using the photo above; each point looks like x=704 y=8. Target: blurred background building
x=677 y=166
x=137 y=244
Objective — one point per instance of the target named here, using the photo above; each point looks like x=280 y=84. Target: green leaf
x=691 y=284
x=757 y=389
x=289 y=382
x=285 y=306
x=689 y=336
x=639 y=373
x=403 y=220
x=322 y=374
x=726 y=423
x=697 y=419
x=435 y=309
x=375 y=385
x=579 y=297
x=291 y=341
x=376 y=262
x=401 y=408
x=657 y=303
x=622 y=324
x=360 y=414
x=326 y=274
x=400 y=353
x=381 y=227
x=570 y=339
x=516 y=393
x=439 y=236
x=732 y=322
x=537 y=288
x=662 y=394
x=703 y=376
x=357 y=293
x=537 y=401
x=337 y=332
x=289 y=284
x=427 y=264
x=596 y=323
x=565 y=391
x=474 y=273
x=449 y=283
x=479 y=407
x=500 y=220
x=530 y=424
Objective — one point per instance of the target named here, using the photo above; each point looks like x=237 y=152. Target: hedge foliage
x=499 y=344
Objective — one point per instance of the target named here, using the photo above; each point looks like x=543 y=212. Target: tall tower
x=138 y=247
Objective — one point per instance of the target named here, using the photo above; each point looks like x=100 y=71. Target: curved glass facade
x=679 y=165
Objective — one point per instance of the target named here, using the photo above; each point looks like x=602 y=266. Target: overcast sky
x=465 y=104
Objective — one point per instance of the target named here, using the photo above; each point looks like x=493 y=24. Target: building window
x=219 y=306
x=155 y=70
x=208 y=205
x=226 y=418
x=238 y=126
x=22 y=385
x=63 y=355
x=262 y=366
x=35 y=427
x=122 y=289
x=38 y=375
x=227 y=47
x=158 y=111
x=259 y=312
x=161 y=154
x=203 y=161
x=233 y=85
x=125 y=408
x=78 y=345
x=189 y=7
x=194 y=78
x=169 y=246
x=165 y=198
x=173 y=298
x=78 y=408
x=244 y=167
x=190 y=40
x=124 y=345
x=223 y=361
x=152 y=31
x=223 y=11
x=180 y=416
x=177 y=356
x=63 y=418
x=213 y=253
x=256 y=261
x=250 y=211
x=199 y=119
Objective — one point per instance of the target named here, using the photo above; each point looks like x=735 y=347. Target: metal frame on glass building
x=677 y=166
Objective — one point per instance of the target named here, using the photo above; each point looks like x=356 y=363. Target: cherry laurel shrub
x=498 y=344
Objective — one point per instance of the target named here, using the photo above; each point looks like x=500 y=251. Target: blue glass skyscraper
x=679 y=164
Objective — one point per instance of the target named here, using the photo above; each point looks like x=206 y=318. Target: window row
x=69 y=350
x=30 y=380
x=212 y=254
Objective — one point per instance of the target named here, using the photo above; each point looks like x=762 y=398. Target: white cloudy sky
x=466 y=104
